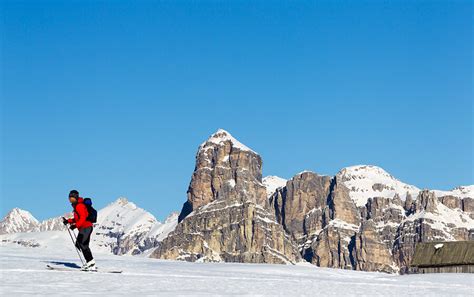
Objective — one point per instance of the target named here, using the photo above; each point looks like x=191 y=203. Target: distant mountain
x=121 y=228
x=125 y=228
x=18 y=220
x=52 y=224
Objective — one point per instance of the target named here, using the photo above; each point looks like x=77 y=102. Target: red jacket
x=80 y=215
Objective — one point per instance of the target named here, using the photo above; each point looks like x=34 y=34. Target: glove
x=65 y=222
x=72 y=227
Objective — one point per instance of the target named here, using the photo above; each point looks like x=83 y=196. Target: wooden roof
x=443 y=253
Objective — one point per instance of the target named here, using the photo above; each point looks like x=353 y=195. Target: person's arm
x=81 y=209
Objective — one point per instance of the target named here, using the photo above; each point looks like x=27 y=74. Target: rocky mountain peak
x=222 y=136
x=367 y=181
x=21 y=213
x=272 y=183
x=225 y=169
x=226 y=192
x=427 y=201
x=123 y=202
x=18 y=220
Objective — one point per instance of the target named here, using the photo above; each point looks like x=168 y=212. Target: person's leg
x=79 y=239
x=84 y=243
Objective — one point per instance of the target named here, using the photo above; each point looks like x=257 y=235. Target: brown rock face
x=369 y=252
x=225 y=217
x=468 y=206
x=427 y=201
x=320 y=216
x=331 y=248
x=341 y=205
x=332 y=245
x=298 y=204
x=379 y=236
x=230 y=232
x=331 y=231
x=386 y=214
x=408 y=204
x=451 y=201
x=225 y=169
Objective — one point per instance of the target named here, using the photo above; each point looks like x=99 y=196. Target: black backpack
x=92 y=217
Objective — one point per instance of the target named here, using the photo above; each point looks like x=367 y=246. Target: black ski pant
x=82 y=242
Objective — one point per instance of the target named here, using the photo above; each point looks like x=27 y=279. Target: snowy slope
x=444 y=219
x=46 y=240
x=18 y=220
x=50 y=240
x=272 y=183
x=366 y=181
x=461 y=192
x=23 y=272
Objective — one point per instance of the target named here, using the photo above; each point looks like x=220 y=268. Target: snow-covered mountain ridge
x=121 y=228
x=18 y=220
x=369 y=181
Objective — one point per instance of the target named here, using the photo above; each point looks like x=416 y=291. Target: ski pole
x=73 y=242
x=75 y=239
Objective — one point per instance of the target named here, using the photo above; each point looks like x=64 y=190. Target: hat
x=74 y=194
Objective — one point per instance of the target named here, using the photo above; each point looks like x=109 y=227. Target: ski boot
x=89 y=266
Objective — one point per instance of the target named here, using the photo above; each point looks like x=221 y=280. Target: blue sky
x=114 y=99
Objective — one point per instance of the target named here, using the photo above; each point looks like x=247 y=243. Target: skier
x=84 y=226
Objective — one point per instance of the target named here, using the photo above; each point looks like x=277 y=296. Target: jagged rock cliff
x=304 y=194
x=365 y=219
x=362 y=218
x=226 y=217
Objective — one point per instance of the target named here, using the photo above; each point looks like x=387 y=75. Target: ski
x=78 y=269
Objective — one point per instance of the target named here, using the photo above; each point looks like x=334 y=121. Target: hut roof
x=443 y=253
